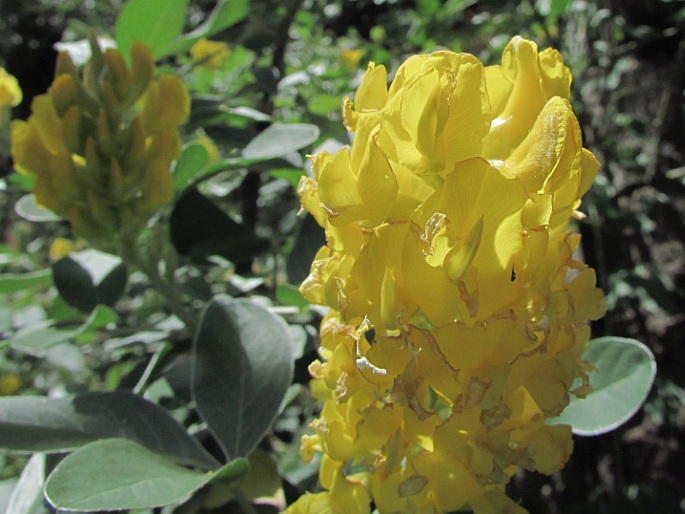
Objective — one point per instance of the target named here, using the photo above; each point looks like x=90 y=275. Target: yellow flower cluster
x=101 y=143
x=458 y=311
x=210 y=54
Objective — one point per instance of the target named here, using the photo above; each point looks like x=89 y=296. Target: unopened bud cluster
x=100 y=143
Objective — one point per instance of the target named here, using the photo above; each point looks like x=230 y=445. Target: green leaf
x=559 y=7
x=200 y=229
x=232 y=471
x=280 y=139
x=241 y=372
x=324 y=104
x=40 y=424
x=117 y=474
x=552 y=8
x=20 y=182
x=288 y=294
x=90 y=278
x=310 y=238
x=625 y=372
x=291 y=175
x=13 y=282
x=226 y=14
x=35 y=339
x=190 y=163
x=28 y=209
x=155 y=23
x=27 y=496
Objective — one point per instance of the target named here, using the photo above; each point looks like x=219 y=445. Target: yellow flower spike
x=101 y=144
x=455 y=330
x=10 y=92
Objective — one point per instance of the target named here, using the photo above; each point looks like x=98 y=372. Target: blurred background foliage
x=292 y=61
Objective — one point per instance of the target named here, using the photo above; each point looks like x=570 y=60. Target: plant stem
x=245 y=504
x=163 y=284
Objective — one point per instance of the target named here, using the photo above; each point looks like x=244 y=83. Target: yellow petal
x=371 y=95
x=469 y=118
x=527 y=97
x=10 y=92
x=47 y=124
x=28 y=151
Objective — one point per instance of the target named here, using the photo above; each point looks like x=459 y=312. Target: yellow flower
x=100 y=143
x=350 y=59
x=458 y=312
x=60 y=248
x=10 y=384
x=210 y=54
x=10 y=92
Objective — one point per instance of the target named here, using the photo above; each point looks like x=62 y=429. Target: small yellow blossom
x=101 y=142
x=210 y=54
x=10 y=384
x=458 y=311
x=10 y=92
x=350 y=59
x=60 y=248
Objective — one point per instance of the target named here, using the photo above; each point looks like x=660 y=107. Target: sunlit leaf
x=90 y=278
x=280 y=139
x=189 y=164
x=40 y=424
x=625 y=372
x=28 y=209
x=117 y=474
x=324 y=104
x=291 y=175
x=226 y=13
x=155 y=23
x=36 y=338
x=13 y=282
